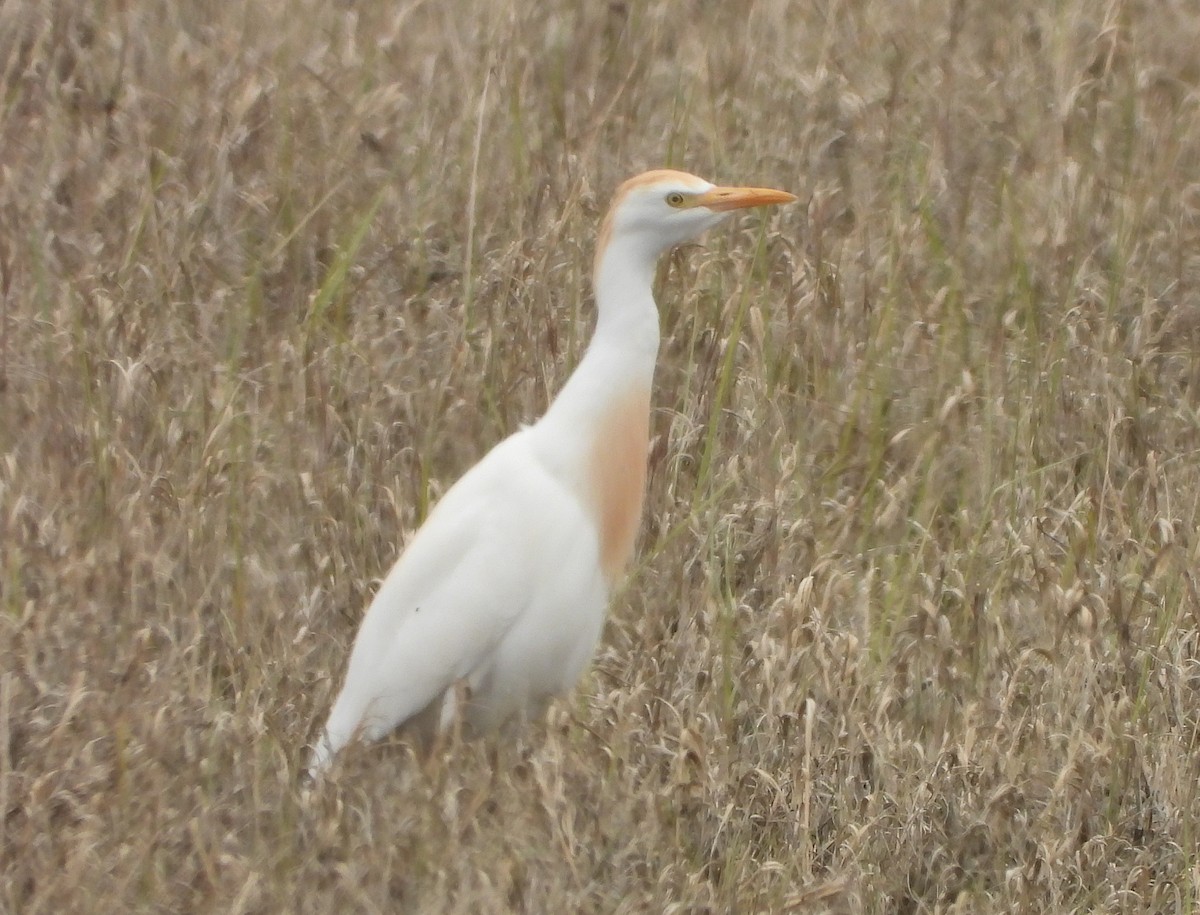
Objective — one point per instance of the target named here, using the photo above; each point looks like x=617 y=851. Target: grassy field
x=914 y=624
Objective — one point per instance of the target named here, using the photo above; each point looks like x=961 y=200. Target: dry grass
x=915 y=626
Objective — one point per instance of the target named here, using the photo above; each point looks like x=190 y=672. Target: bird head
x=657 y=210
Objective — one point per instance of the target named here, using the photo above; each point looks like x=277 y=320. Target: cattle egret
x=497 y=604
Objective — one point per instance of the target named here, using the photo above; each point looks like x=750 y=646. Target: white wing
x=509 y=547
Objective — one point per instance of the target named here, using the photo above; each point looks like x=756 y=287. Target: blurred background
x=913 y=624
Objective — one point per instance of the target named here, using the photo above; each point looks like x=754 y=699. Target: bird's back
x=500 y=588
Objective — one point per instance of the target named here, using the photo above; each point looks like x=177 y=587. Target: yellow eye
x=675 y=199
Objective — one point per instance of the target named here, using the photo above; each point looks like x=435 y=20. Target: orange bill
x=739 y=198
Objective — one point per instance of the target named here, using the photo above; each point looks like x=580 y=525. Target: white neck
x=623 y=286
x=596 y=435
x=624 y=347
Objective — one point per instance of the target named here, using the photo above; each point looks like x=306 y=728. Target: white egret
x=497 y=604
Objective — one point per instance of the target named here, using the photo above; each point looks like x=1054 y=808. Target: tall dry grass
x=914 y=626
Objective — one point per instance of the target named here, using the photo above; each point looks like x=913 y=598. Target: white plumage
x=504 y=588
